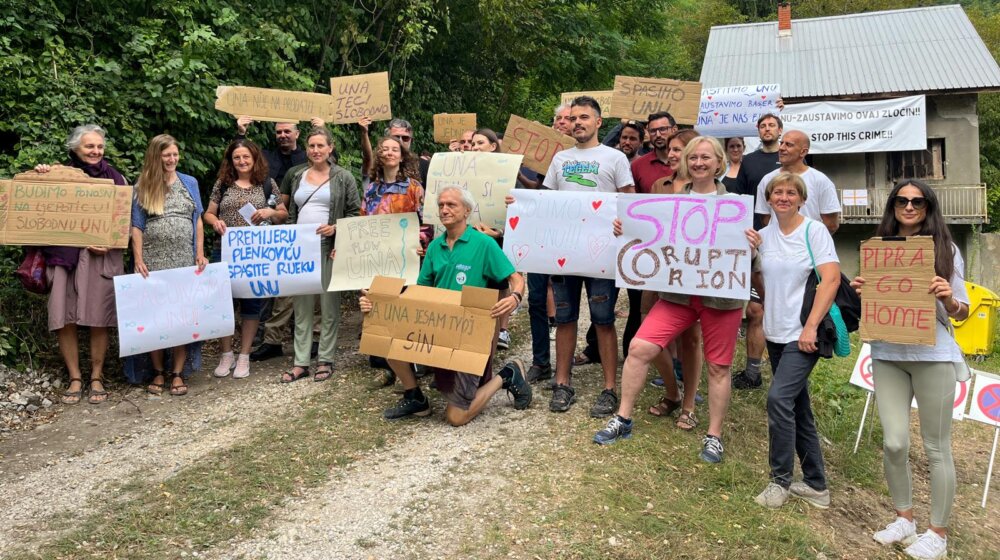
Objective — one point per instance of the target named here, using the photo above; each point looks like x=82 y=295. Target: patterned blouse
x=398 y=197
x=235 y=198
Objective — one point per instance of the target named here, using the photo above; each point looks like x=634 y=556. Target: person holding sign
x=901 y=372
x=243 y=182
x=82 y=291
x=167 y=232
x=320 y=193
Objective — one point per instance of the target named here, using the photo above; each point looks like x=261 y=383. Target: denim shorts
x=600 y=295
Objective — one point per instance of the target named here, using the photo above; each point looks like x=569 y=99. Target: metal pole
x=861 y=427
x=989 y=471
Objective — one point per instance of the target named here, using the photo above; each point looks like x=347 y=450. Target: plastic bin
x=975 y=335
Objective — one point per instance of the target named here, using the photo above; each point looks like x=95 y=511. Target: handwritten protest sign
x=430 y=326
x=364 y=95
x=273 y=261
x=380 y=245
x=536 y=142
x=733 y=111
x=487 y=176
x=844 y=127
x=895 y=305
x=450 y=126
x=686 y=243
x=275 y=105
x=173 y=307
x=562 y=232
x=637 y=98
x=603 y=99
x=64 y=207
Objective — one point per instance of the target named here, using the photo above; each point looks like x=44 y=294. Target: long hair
x=682 y=136
x=408 y=165
x=933 y=225
x=227 y=172
x=151 y=188
x=491 y=137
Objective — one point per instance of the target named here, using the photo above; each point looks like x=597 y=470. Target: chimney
x=784 y=19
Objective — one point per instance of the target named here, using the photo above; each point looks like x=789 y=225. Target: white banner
x=685 y=244
x=846 y=127
x=986 y=399
x=379 y=245
x=172 y=307
x=562 y=232
x=273 y=261
x=733 y=111
x=487 y=176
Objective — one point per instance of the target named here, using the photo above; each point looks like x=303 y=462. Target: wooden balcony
x=961 y=204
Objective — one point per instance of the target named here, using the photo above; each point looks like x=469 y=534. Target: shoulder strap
x=812 y=259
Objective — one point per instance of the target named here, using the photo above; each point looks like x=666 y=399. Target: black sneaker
x=538 y=373
x=606 y=404
x=741 y=380
x=617 y=428
x=266 y=352
x=563 y=397
x=408 y=406
x=515 y=384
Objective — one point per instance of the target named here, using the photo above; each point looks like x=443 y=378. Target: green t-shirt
x=475 y=259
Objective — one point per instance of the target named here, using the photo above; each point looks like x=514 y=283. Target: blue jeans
x=538 y=288
x=600 y=296
x=790 y=422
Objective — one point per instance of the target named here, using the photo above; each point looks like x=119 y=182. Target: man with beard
x=630 y=140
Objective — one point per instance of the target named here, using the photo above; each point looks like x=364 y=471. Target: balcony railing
x=961 y=204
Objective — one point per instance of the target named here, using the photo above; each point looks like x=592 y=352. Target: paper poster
x=172 y=307
x=733 y=111
x=562 y=232
x=895 y=305
x=685 y=244
x=247 y=212
x=274 y=105
x=861 y=376
x=854 y=197
x=450 y=126
x=536 y=142
x=273 y=261
x=487 y=176
x=370 y=246
x=603 y=99
x=986 y=399
x=637 y=98
x=847 y=127
x=364 y=95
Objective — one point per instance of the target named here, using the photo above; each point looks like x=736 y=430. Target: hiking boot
x=408 y=406
x=901 y=531
x=538 y=373
x=515 y=384
x=741 y=380
x=774 y=496
x=266 y=352
x=711 y=449
x=563 y=397
x=929 y=546
x=503 y=340
x=606 y=404
x=617 y=428
x=818 y=498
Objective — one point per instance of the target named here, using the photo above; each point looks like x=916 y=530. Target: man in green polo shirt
x=462 y=257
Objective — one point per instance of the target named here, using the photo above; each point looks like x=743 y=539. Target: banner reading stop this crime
x=842 y=127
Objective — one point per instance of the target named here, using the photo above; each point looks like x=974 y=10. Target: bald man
x=821 y=203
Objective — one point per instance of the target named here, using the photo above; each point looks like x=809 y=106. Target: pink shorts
x=719 y=327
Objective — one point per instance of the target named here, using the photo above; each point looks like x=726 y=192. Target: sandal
x=323 y=371
x=687 y=421
x=665 y=407
x=98 y=396
x=72 y=397
x=581 y=359
x=157 y=388
x=290 y=376
x=178 y=390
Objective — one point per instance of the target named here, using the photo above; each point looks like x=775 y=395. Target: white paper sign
x=685 y=243
x=986 y=399
x=488 y=177
x=861 y=376
x=847 y=127
x=561 y=232
x=273 y=261
x=854 y=197
x=379 y=245
x=172 y=307
x=733 y=111
x=247 y=211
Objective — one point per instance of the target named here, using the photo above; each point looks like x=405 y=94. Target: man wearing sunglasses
x=822 y=203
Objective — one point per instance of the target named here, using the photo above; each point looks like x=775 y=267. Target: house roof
x=892 y=52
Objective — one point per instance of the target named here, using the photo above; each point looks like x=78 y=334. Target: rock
x=18 y=399
x=31 y=408
x=46 y=403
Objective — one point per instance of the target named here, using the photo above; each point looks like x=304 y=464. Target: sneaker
x=617 y=428
x=901 y=531
x=242 y=366
x=563 y=397
x=538 y=373
x=606 y=404
x=929 y=546
x=743 y=381
x=657 y=382
x=503 y=340
x=408 y=407
x=516 y=385
x=266 y=352
x=226 y=364
x=774 y=496
x=817 y=498
x=711 y=449
x=552 y=332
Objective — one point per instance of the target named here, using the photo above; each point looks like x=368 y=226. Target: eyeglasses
x=403 y=137
x=660 y=130
x=918 y=202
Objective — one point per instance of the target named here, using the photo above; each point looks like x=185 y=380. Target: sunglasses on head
x=918 y=202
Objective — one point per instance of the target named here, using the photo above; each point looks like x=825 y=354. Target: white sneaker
x=901 y=530
x=815 y=497
x=225 y=364
x=503 y=340
x=774 y=496
x=930 y=546
x=242 y=367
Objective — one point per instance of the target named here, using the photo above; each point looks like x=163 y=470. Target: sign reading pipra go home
x=895 y=305
x=430 y=326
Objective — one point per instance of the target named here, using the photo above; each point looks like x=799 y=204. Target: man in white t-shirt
x=822 y=203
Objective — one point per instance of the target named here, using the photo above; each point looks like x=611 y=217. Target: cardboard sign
x=986 y=399
x=273 y=261
x=603 y=99
x=380 y=245
x=64 y=207
x=733 y=111
x=536 y=142
x=364 y=95
x=430 y=326
x=562 y=232
x=854 y=127
x=685 y=243
x=895 y=305
x=276 y=105
x=637 y=98
x=861 y=376
x=172 y=307
x=487 y=176
x=450 y=126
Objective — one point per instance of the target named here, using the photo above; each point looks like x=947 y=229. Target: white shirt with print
x=597 y=169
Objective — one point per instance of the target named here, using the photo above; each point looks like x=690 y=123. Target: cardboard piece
x=273 y=261
x=637 y=98
x=450 y=126
x=895 y=305
x=370 y=246
x=726 y=112
x=430 y=326
x=603 y=99
x=64 y=207
x=536 y=142
x=275 y=105
x=488 y=177
x=364 y=95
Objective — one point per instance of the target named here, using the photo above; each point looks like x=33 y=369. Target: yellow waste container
x=975 y=335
